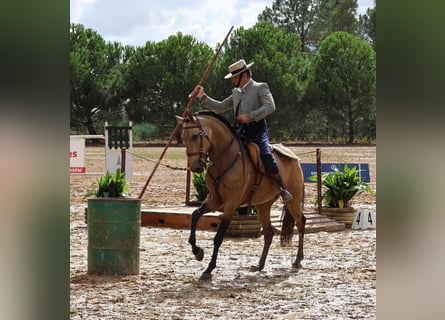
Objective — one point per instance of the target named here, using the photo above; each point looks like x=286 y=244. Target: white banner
x=77 y=154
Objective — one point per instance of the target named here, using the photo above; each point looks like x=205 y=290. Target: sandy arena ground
x=337 y=281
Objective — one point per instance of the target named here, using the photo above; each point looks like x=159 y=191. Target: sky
x=134 y=22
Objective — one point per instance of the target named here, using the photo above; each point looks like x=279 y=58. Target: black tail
x=287 y=227
x=288 y=224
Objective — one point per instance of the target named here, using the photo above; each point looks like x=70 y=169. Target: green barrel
x=114 y=226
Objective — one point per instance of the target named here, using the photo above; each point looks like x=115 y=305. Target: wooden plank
x=177 y=220
x=242 y=226
x=314 y=223
x=180 y=218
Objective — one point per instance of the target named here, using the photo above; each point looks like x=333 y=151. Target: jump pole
x=186 y=110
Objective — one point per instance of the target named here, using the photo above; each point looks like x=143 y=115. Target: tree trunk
x=90 y=126
x=179 y=136
x=351 y=126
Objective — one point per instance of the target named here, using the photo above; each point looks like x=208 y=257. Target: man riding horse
x=251 y=102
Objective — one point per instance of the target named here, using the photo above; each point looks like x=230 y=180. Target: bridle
x=204 y=156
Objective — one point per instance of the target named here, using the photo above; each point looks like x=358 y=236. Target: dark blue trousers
x=258 y=133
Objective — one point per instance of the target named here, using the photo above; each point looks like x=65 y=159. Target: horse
x=234 y=180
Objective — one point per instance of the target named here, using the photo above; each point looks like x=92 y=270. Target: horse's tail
x=288 y=224
x=287 y=227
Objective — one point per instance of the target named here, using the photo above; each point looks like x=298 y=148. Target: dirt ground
x=337 y=281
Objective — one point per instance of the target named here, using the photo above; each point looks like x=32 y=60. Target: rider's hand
x=243 y=118
x=198 y=91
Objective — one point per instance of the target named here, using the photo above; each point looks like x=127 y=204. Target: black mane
x=217 y=116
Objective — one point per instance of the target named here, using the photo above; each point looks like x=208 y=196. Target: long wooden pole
x=186 y=110
x=319 y=181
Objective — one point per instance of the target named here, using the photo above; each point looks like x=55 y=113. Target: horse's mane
x=217 y=116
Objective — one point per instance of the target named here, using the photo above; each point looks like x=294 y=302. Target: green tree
x=313 y=126
x=343 y=17
x=96 y=80
x=160 y=77
x=182 y=60
x=305 y=17
x=141 y=84
x=345 y=74
x=368 y=28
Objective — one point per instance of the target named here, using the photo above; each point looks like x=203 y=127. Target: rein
x=217 y=180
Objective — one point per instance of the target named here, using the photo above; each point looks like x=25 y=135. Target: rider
x=251 y=102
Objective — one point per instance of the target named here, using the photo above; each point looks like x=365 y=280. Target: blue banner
x=310 y=169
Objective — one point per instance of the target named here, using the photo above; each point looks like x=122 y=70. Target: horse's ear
x=180 y=119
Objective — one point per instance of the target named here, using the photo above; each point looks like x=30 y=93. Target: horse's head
x=197 y=142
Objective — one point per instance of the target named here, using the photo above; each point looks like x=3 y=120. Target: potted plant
x=199 y=182
x=113 y=227
x=109 y=185
x=340 y=187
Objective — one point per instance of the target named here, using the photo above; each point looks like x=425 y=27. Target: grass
x=169 y=154
x=173 y=153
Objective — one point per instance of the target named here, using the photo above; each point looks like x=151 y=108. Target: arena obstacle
x=119 y=140
x=179 y=217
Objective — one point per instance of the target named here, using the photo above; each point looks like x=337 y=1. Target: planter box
x=243 y=227
x=343 y=215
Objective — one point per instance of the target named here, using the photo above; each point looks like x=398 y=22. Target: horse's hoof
x=200 y=255
x=205 y=277
x=255 y=269
x=296 y=265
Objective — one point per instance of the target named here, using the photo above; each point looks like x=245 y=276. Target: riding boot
x=284 y=193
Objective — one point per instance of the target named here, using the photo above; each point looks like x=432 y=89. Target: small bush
x=199 y=182
x=109 y=185
x=144 y=132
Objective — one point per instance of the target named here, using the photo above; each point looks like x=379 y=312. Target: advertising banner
x=77 y=155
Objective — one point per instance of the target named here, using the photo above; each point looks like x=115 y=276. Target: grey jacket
x=254 y=99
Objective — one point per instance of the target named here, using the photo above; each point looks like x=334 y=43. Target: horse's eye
x=195 y=136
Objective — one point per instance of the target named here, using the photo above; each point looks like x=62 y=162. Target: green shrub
x=109 y=185
x=199 y=182
x=144 y=132
x=341 y=187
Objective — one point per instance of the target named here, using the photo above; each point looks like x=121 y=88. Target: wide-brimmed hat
x=237 y=67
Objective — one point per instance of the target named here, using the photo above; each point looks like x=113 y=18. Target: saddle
x=254 y=153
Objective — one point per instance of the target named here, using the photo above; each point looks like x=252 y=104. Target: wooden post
x=123 y=154
x=319 y=180
x=187 y=186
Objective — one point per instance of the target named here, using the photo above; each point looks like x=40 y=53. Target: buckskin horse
x=234 y=179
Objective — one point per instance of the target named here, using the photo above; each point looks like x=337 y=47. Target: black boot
x=284 y=193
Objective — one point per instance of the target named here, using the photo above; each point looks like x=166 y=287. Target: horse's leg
x=217 y=241
x=296 y=209
x=268 y=232
x=301 y=225
x=295 y=183
x=197 y=251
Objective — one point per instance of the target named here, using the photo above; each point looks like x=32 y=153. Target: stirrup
x=285 y=195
